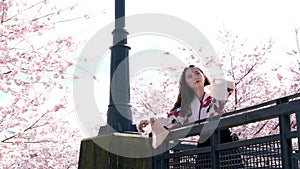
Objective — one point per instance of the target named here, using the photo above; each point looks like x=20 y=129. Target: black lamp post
x=119 y=115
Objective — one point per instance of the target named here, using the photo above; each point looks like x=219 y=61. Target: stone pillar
x=116 y=151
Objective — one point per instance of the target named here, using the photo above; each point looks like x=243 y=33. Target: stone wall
x=116 y=151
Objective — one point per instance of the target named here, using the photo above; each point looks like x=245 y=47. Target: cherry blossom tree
x=243 y=62
x=295 y=66
x=255 y=80
x=152 y=97
x=35 y=77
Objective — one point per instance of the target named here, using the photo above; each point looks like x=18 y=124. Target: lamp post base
x=114 y=151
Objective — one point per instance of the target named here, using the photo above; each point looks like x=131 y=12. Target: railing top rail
x=252 y=108
x=252 y=115
x=268 y=103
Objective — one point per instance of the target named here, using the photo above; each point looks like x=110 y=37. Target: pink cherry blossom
x=32 y=76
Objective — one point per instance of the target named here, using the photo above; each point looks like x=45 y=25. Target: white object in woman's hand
x=142 y=126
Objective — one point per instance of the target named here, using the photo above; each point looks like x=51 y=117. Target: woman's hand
x=142 y=125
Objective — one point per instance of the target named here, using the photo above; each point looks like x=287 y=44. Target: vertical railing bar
x=285 y=144
x=297 y=155
x=298 y=127
x=214 y=141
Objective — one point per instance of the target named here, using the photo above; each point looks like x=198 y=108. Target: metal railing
x=273 y=151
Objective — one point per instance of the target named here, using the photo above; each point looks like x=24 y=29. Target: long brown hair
x=186 y=94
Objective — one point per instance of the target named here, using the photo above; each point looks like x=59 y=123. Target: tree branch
x=5 y=73
x=261 y=128
x=298 y=48
x=32 y=6
x=147 y=106
x=28 y=128
x=35 y=19
x=72 y=19
x=3 y=13
x=297 y=41
x=31 y=142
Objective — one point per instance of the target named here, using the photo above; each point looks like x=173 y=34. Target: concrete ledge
x=116 y=151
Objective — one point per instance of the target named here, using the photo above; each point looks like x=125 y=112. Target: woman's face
x=194 y=78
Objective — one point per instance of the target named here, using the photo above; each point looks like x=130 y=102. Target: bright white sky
x=256 y=20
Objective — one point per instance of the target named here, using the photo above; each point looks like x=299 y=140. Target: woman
x=192 y=104
x=197 y=99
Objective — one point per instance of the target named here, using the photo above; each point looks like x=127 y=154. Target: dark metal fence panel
x=254 y=153
x=188 y=161
x=262 y=155
x=273 y=151
x=296 y=160
x=160 y=160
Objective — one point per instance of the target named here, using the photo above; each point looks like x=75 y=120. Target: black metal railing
x=274 y=151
